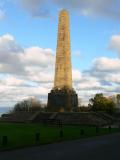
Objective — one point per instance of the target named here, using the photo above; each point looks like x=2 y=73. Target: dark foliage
x=29 y=105
x=101 y=103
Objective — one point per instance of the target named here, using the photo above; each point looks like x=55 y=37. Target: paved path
x=98 y=148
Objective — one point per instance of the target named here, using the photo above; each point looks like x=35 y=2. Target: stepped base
x=62 y=100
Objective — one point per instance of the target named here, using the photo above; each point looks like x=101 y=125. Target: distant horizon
x=4 y=110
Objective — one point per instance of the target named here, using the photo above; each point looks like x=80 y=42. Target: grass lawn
x=22 y=135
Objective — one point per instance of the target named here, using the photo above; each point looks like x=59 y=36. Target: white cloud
x=8 y=44
x=89 y=83
x=77 y=75
x=25 y=72
x=30 y=72
x=106 y=70
x=16 y=60
x=38 y=56
x=112 y=77
x=107 y=64
x=12 y=81
x=9 y=55
x=36 y=7
x=115 y=43
x=41 y=8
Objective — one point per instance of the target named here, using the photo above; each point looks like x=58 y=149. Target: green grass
x=22 y=135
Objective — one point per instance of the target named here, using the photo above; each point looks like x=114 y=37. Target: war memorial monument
x=62 y=105
x=63 y=97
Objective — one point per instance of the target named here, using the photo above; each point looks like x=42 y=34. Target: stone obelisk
x=63 y=70
x=62 y=96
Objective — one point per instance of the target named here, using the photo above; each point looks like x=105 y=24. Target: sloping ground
x=117 y=118
x=66 y=118
x=17 y=117
x=84 y=118
x=107 y=117
x=43 y=116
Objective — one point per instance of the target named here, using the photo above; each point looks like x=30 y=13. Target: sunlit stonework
x=62 y=96
x=63 y=71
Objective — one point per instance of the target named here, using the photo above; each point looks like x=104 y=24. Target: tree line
x=98 y=103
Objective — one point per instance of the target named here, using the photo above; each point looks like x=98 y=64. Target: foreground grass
x=22 y=135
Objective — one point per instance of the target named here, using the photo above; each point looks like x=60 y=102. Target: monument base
x=62 y=100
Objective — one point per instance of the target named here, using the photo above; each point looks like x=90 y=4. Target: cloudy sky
x=28 y=36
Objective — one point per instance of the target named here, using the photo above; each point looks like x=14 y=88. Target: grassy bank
x=22 y=135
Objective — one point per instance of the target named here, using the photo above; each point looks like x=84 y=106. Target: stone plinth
x=62 y=100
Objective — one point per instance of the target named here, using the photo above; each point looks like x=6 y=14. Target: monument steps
x=65 y=118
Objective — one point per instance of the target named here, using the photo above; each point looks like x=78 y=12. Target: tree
x=30 y=104
x=101 y=103
x=79 y=102
x=118 y=100
x=21 y=106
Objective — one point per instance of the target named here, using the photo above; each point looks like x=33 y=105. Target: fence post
x=4 y=141
x=61 y=134
x=37 y=138
x=97 y=129
x=82 y=132
x=109 y=129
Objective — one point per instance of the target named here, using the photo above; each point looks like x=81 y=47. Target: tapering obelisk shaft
x=63 y=71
